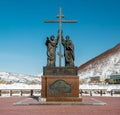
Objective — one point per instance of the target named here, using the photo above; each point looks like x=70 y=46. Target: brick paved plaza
x=112 y=107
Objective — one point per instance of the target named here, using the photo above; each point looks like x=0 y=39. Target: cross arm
x=58 y=21
x=51 y=21
x=69 y=21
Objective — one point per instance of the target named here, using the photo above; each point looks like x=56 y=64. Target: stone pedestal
x=56 y=71
x=60 y=87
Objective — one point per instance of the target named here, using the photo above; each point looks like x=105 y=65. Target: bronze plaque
x=60 y=87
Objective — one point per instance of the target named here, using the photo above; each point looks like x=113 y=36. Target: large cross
x=60 y=21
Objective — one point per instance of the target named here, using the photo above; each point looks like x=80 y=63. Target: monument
x=60 y=83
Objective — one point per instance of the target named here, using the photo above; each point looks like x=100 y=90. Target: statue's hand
x=47 y=38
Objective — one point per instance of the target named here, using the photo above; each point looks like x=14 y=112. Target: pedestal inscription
x=60 y=87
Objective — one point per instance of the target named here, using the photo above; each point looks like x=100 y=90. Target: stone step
x=64 y=99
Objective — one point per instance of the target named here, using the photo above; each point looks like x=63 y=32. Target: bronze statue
x=51 y=50
x=68 y=52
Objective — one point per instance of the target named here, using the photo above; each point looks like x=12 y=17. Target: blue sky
x=23 y=32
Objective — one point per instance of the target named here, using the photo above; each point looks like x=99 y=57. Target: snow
x=10 y=78
x=12 y=81
x=19 y=86
x=102 y=67
x=83 y=86
x=107 y=87
x=20 y=81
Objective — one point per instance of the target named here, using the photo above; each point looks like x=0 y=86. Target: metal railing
x=37 y=92
x=20 y=92
x=99 y=92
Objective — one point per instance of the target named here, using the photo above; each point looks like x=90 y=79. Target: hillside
x=11 y=78
x=105 y=64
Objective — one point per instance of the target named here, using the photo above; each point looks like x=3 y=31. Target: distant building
x=97 y=79
x=115 y=78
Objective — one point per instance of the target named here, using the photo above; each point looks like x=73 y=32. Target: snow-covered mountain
x=104 y=65
x=11 y=78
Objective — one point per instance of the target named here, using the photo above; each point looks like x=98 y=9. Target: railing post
x=111 y=92
x=100 y=92
x=31 y=93
x=81 y=92
x=0 y=92
x=90 y=93
x=21 y=92
x=10 y=92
